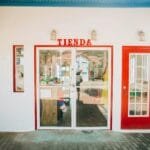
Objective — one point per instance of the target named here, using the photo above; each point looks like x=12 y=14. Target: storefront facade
x=75 y=80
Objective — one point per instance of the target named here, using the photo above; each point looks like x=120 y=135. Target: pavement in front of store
x=74 y=140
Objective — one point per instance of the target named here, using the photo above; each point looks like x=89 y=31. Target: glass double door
x=73 y=87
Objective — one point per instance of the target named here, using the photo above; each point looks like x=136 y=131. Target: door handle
x=124 y=87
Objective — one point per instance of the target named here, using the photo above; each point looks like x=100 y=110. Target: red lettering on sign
x=69 y=42
x=89 y=43
x=82 y=42
x=74 y=42
x=59 y=41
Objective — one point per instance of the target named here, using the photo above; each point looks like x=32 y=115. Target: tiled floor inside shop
x=74 y=140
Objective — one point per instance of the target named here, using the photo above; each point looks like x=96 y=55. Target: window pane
x=49 y=67
x=92 y=66
x=138 y=97
x=132 y=109
x=144 y=109
x=139 y=74
x=92 y=107
x=139 y=77
x=55 y=106
x=132 y=97
x=65 y=76
x=92 y=88
x=145 y=97
x=138 y=109
x=139 y=60
x=55 y=67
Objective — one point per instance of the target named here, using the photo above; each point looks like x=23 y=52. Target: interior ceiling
x=77 y=3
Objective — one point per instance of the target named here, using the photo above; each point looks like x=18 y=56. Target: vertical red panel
x=126 y=121
x=14 y=68
x=35 y=88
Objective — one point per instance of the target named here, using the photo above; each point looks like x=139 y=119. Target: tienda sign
x=74 y=42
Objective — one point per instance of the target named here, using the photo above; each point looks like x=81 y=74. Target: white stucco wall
x=32 y=25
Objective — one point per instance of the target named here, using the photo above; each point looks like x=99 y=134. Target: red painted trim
x=111 y=99
x=14 y=68
x=131 y=122
x=35 y=88
x=35 y=77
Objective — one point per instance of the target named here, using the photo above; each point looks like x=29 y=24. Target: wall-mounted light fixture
x=53 y=35
x=141 y=35
x=93 y=35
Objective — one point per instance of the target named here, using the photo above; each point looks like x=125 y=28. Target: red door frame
x=58 y=46
x=131 y=122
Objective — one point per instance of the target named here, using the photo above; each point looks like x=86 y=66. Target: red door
x=135 y=87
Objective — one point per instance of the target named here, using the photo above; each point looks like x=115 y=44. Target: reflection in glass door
x=54 y=87
x=93 y=89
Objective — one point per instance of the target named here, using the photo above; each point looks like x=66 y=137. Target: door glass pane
x=49 y=67
x=54 y=81
x=139 y=84
x=145 y=97
x=132 y=109
x=144 y=109
x=55 y=106
x=138 y=109
x=139 y=74
x=92 y=88
x=55 y=67
x=139 y=60
x=65 y=76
